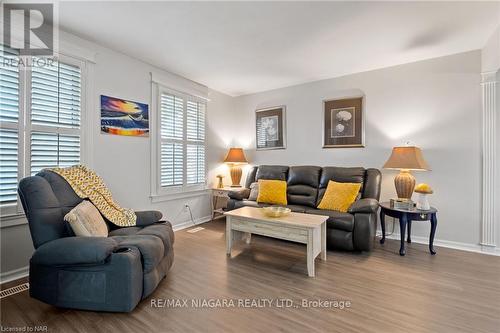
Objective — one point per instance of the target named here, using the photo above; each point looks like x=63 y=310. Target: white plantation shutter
x=50 y=150
x=195 y=142
x=9 y=87
x=8 y=166
x=55 y=116
x=46 y=132
x=171 y=164
x=182 y=136
x=55 y=95
x=172 y=133
x=9 y=130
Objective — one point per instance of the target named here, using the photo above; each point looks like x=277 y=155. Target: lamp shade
x=235 y=155
x=409 y=158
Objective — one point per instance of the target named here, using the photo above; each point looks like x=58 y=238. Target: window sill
x=12 y=220
x=179 y=195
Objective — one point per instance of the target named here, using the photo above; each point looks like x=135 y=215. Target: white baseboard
x=450 y=244
x=188 y=224
x=14 y=274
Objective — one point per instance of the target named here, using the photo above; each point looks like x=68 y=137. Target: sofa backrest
x=278 y=172
x=307 y=182
x=46 y=198
x=302 y=185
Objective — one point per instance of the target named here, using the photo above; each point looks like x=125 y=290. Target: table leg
x=248 y=238
x=229 y=236
x=382 y=225
x=408 y=238
x=214 y=206
x=402 y=227
x=310 y=254
x=323 y=241
x=433 y=232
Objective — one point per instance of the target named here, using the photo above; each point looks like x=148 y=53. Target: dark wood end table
x=405 y=218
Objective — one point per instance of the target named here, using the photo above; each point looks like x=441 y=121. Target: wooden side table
x=405 y=219
x=217 y=195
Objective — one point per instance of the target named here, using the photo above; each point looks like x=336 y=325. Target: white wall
x=123 y=162
x=435 y=104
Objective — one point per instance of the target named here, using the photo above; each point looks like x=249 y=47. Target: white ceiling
x=243 y=47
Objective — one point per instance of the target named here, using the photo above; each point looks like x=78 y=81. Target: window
x=40 y=118
x=181 y=142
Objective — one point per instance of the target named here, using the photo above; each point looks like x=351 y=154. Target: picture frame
x=270 y=128
x=344 y=123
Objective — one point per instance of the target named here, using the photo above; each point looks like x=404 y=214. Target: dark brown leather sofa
x=306 y=185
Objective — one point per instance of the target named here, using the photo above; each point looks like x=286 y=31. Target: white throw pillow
x=85 y=220
x=254 y=191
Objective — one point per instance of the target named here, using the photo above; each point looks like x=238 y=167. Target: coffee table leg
x=229 y=236
x=248 y=238
x=310 y=254
x=323 y=241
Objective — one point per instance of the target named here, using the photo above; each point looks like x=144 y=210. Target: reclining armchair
x=91 y=273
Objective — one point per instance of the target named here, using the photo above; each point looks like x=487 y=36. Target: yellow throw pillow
x=272 y=192
x=339 y=196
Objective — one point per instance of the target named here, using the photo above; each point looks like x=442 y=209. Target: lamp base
x=235 y=173
x=405 y=184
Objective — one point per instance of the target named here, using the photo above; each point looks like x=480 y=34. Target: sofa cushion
x=339 y=196
x=304 y=175
x=340 y=175
x=298 y=208
x=303 y=185
x=254 y=191
x=278 y=172
x=272 y=192
x=248 y=203
x=127 y=231
x=337 y=220
x=86 y=221
x=161 y=230
x=151 y=248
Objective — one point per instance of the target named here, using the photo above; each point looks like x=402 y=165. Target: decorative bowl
x=276 y=211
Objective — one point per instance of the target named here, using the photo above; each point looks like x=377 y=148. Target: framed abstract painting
x=270 y=128
x=343 y=123
x=122 y=117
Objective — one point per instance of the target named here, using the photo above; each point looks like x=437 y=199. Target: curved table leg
x=382 y=225
x=402 y=227
x=433 y=232
x=408 y=238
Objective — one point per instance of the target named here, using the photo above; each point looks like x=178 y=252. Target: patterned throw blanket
x=88 y=185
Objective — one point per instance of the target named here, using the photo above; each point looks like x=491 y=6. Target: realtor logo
x=29 y=28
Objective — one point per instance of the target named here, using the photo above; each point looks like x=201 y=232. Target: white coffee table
x=297 y=227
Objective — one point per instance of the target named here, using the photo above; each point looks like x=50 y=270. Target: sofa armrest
x=239 y=195
x=366 y=205
x=148 y=217
x=75 y=251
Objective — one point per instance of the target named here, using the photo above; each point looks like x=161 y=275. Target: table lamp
x=405 y=159
x=234 y=158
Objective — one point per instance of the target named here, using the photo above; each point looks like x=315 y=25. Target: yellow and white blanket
x=88 y=185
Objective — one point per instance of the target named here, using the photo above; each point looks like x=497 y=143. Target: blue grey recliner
x=91 y=273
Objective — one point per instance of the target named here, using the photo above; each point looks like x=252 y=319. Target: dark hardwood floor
x=454 y=291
